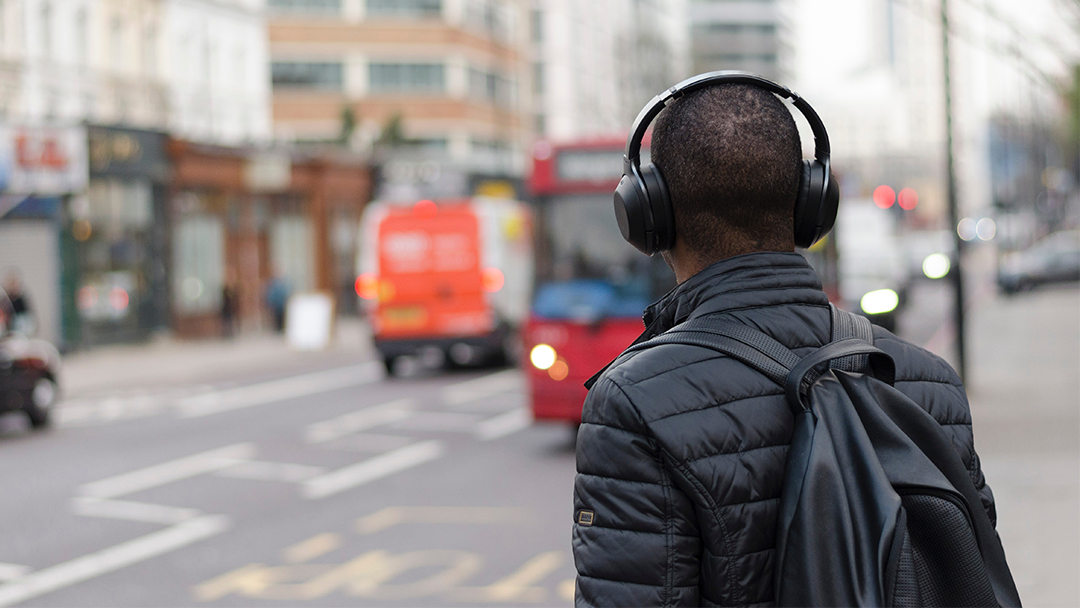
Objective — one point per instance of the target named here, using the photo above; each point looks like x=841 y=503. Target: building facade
x=749 y=35
x=596 y=64
x=197 y=68
x=446 y=77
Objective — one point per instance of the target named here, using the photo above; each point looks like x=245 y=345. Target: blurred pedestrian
x=22 y=320
x=277 y=298
x=228 y=309
x=682 y=450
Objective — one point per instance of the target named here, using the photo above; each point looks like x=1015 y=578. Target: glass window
x=585 y=265
x=769 y=58
x=306 y=75
x=490 y=86
x=407 y=77
x=198 y=264
x=489 y=17
x=735 y=28
x=536 y=20
x=326 y=7
x=116 y=43
x=82 y=44
x=120 y=204
x=538 y=78
x=291 y=250
x=404 y=8
x=150 y=50
x=46 y=30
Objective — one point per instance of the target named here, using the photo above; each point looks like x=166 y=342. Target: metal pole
x=954 y=212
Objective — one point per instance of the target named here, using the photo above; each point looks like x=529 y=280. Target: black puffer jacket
x=681 y=450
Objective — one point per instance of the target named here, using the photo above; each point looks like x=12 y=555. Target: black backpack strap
x=851 y=350
x=733 y=339
x=846 y=325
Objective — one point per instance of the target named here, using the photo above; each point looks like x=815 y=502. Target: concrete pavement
x=1024 y=389
x=172 y=362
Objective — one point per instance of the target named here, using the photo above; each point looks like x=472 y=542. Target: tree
x=393 y=134
x=348 y=125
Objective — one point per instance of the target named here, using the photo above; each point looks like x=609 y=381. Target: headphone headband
x=644 y=118
x=643 y=206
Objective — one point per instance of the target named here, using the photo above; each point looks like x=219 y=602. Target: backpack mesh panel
x=940 y=563
x=906 y=593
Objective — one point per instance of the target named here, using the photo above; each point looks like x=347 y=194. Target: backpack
x=877 y=509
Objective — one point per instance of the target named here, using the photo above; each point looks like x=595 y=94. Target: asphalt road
x=337 y=487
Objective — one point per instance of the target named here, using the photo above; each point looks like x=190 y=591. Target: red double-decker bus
x=591 y=285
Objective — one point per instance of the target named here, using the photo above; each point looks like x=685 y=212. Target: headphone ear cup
x=810 y=205
x=831 y=205
x=630 y=214
x=801 y=197
x=663 y=215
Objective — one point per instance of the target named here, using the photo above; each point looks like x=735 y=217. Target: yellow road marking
x=252 y=580
x=368 y=575
x=309 y=549
x=518 y=586
x=392 y=516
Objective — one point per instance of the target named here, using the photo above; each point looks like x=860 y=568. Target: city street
x=314 y=480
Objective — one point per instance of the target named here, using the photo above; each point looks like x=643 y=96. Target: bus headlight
x=542 y=356
x=879 y=301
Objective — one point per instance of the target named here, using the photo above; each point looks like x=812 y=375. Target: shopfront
x=241 y=218
x=43 y=171
x=118 y=233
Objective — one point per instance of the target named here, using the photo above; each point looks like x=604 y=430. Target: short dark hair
x=732 y=160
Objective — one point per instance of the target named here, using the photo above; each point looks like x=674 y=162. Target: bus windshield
x=585 y=269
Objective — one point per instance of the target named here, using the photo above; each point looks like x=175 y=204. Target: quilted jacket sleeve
x=635 y=539
x=985 y=495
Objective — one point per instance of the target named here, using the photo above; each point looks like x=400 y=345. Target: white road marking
x=504 y=424
x=439 y=421
x=494 y=405
x=486 y=386
x=271 y=471
x=361 y=420
x=370 y=442
x=280 y=390
x=168 y=472
x=132 y=511
x=372 y=469
x=113 y=558
x=10 y=572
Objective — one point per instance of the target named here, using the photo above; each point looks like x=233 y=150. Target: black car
x=1054 y=259
x=28 y=370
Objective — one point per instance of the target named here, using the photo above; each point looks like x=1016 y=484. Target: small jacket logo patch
x=585 y=518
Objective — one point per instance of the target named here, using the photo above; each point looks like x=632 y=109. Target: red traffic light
x=908 y=199
x=884 y=196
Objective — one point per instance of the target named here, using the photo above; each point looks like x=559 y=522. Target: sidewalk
x=1024 y=388
x=169 y=362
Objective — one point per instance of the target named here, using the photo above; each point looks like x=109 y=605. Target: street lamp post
x=954 y=212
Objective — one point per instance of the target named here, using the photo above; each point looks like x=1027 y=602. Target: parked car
x=28 y=370
x=1054 y=259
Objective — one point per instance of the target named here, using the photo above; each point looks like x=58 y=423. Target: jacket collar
x=745 y=281
x=751 y=279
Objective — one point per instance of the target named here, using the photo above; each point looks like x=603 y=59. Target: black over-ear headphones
x=643 y=205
